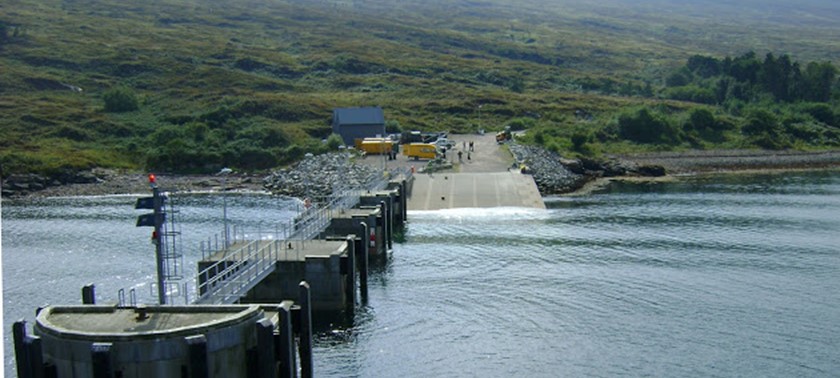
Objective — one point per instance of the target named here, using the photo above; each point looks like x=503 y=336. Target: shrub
x=539 y=138
x=518 y=124
x=4 y=33
x=120 y=99
x=678 y=79
x=692 y=93
x=263 y=135
x=517 y=85
x=723 y=124
x=579 y=139
x=334 y=141
x=759 y=122
x=700 y=119
x=393 y=126
x=764 y=130
x=643 y=126
x=821 y=112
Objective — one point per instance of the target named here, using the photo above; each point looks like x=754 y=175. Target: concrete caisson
x=83 y=341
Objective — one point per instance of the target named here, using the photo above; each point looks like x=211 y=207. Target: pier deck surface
x=478 y=190
x=298 y=251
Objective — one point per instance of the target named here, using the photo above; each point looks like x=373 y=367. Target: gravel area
x=321 y=175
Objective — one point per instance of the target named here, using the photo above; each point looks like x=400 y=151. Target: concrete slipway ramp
x=477 y=190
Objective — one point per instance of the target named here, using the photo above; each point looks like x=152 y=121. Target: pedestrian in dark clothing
x=460 y=156
x=468 y=156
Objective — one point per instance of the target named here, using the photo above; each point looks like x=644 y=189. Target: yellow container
x=420 y=151
x=376 y=146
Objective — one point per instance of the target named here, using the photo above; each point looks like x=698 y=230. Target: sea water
x=712 y=276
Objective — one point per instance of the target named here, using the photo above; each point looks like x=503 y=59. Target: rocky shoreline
x=557 y=175
x=318 y=176
x=99 y=182
x=714 y=161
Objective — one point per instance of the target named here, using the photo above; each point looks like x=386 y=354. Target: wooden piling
x=388 y=241
x=305 y=333
x=363 y=264
x=350 y=285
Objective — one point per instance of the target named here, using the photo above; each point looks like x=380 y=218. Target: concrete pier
x=162 y=341
x=321 y=262
x=349 y=222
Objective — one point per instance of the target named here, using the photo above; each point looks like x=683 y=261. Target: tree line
x=748 y=78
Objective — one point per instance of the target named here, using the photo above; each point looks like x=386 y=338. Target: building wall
x=351 y=132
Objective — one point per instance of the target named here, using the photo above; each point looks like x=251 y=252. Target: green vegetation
x=193 y=86
x=120 y=100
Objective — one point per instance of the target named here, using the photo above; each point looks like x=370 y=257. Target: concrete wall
x=324 y=273
x=349 y=133
x=326 y=282
x=282 y=284
x=135 y=355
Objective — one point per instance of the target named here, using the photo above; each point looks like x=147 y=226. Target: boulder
x=652 y=170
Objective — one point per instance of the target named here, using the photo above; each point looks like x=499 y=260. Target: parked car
x=444 y=143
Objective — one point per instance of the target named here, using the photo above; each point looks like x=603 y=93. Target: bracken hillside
x=192 y=86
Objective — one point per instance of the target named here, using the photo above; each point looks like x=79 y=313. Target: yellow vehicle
x=420 y=150
x=503 y=136
x=375 y=146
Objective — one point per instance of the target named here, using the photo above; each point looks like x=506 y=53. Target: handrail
x=239 y=270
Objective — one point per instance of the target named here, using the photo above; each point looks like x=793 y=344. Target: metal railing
x=230 y=278
x=240 y=269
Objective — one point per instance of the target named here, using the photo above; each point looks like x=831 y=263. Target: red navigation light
x=152 y=178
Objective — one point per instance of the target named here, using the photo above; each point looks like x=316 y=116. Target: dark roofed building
x=357 y=123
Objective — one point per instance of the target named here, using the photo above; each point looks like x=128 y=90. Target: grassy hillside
x=251 y=84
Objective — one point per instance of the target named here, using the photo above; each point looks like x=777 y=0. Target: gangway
x=244 y=264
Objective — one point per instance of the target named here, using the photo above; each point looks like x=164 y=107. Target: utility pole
x=156 y=238
x=479 y=117
x=225 y=172
x=155 y=219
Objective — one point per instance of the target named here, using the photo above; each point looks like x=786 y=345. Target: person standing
x=460 y=156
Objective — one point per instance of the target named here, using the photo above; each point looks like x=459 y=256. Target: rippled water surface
x=725 y=276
